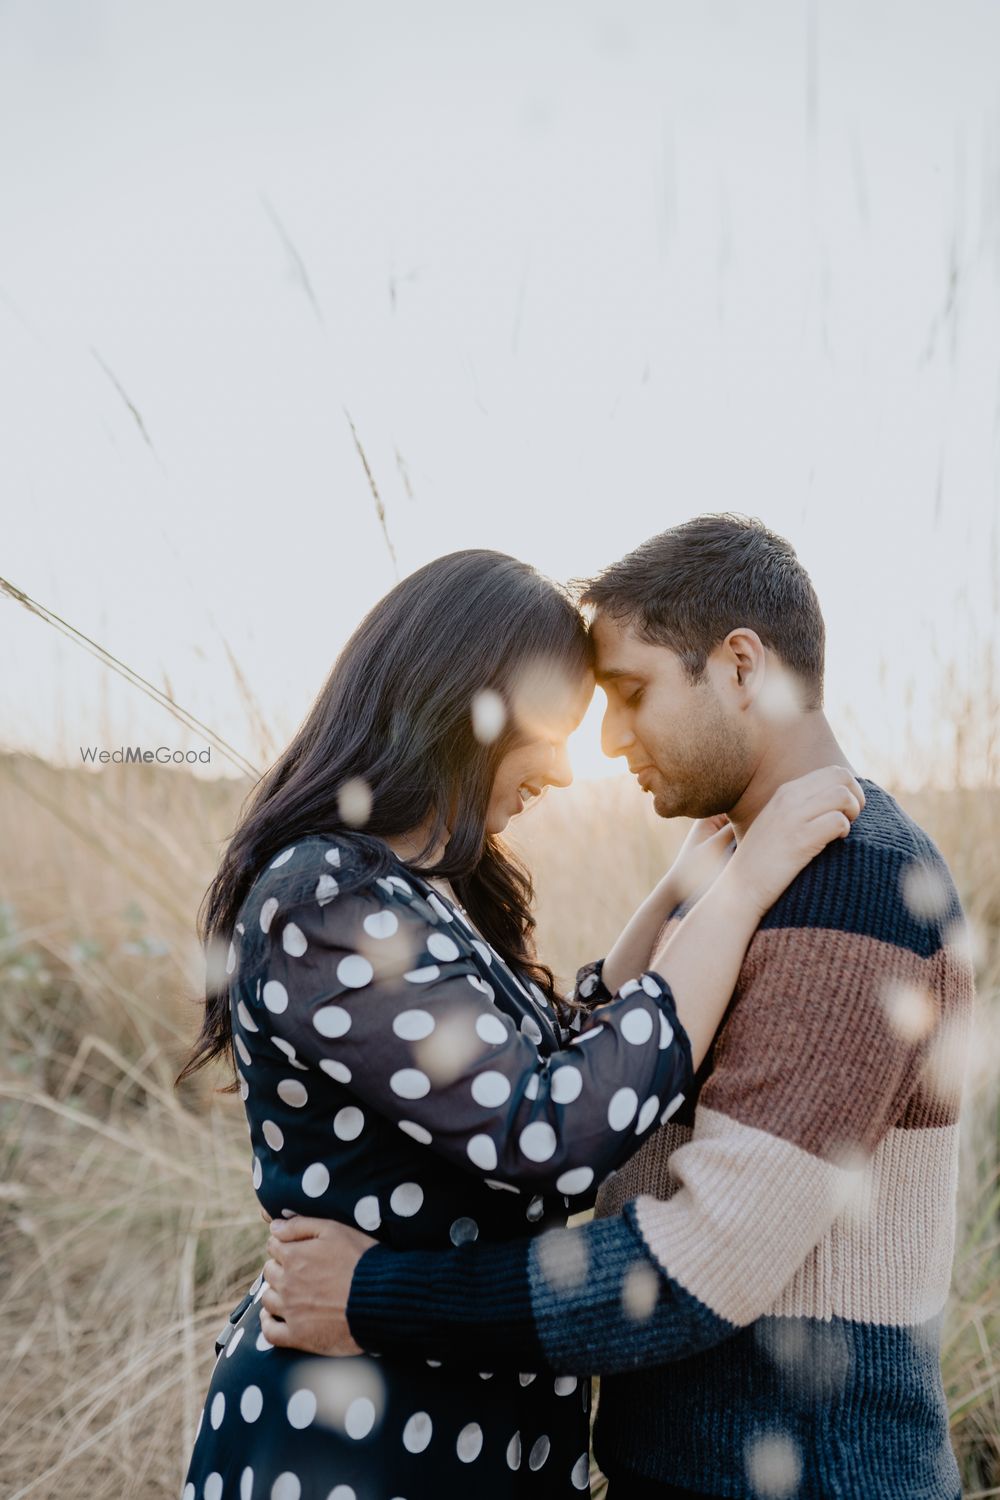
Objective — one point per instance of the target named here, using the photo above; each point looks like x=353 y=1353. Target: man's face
x=688 y=743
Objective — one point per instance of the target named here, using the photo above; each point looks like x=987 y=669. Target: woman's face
x=539 y=761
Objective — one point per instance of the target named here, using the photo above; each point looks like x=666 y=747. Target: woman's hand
x=701 y=858
x=802 y=817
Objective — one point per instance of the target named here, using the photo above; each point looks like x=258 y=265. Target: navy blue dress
x=399 y=1076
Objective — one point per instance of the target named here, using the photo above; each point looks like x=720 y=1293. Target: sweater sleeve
x=824 y=1045
x=379 y=988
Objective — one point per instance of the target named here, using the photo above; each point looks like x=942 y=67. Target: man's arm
x=815 y=1064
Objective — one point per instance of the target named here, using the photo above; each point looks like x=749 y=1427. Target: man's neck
x=806 y=745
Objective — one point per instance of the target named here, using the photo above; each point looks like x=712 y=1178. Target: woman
x=404 y=1060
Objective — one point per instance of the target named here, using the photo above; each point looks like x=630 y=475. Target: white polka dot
x=525 y=1378
x=355 y=971
x=301 y=1408
x=417 y=1432
x=441 y=946
x=244 y=1088
x=234 y=1342
x=406 y=1199
x=293 y=940
x=535 y=1209
x=470 y=1442
x=246 y=1019
x=267 y=912
x=257 y=1173
x=275 y=996
x=481 y=986
x=423 y=976
x=213 y=1487
x=273 y=1135
x=539 y=1452
x=581 y=1472
x=332 y=1020
x=189 y=1492
x=315 y=1180
x=589 y=1034
x=326 y=889
x=218 y=1410
x=490 y=1089
x=282 y=858
x=463 y=1231
x=672 y=1108
x=416 y=1131
x=366 y=1213
x=647 y=1114
x=230 y=959
x=566 y=1084
x=242 y=1049
x=482 y=1152
x=341 y=1492
x=413 y=1025
x=400 y=884
x=381 y=924
x=332 y=856
x=483 y=951
x=565 y=1385
x=624 y=1103
x=532 y=1086
x=538 y=1141
x=506 y=1187
x=650 y=985
x=292 y=1092
x=263 y=1343
x=360 y=1417
x=251 y=1403
x=410 y=1083
x=286 y=1487
x=514 y=1452
x=637 y=1027
x=531 y=1029
x=576 y=1180
x=438 y=906
x=246 y=1484
x=491 y=1029
x=666 y=1032
x=338 y=1070
x=348 y=1123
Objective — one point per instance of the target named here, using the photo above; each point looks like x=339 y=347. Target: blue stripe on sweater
x=858 y=1408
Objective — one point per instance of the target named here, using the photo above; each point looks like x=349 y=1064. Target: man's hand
x=308 y=1274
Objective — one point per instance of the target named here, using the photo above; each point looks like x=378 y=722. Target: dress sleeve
x=377 y=989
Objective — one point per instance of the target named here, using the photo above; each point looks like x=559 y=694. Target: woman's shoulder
x=321 y=871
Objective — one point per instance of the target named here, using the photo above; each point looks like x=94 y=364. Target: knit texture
x=763 y=1288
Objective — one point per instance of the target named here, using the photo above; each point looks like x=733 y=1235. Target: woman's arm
x=381 y=991
x=700 y=859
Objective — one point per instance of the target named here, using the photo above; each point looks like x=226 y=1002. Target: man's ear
x=745 y=660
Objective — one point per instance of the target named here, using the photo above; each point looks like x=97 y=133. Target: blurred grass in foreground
x=128 y=1225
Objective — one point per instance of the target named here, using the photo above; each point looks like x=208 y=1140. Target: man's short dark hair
x=690 y=586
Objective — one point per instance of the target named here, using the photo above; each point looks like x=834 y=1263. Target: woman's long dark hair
x=395 y=714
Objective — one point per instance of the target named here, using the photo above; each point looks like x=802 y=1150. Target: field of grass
x=128 y=1225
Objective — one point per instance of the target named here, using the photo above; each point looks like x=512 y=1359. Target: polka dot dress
x=397 y=1075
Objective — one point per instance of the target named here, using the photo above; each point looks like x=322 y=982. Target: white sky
x=587 y=268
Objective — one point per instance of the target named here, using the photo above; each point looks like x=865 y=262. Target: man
x=763 y=1282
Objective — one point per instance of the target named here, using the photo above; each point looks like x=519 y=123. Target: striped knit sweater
x=763 y=1284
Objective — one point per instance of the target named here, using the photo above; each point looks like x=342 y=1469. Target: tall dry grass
x=128 y=1225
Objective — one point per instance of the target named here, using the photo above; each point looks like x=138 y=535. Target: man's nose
x=616 y=737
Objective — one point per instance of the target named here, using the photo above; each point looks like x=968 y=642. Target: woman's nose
x=560 y=773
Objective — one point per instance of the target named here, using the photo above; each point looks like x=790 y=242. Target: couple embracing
x=751 y=1088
